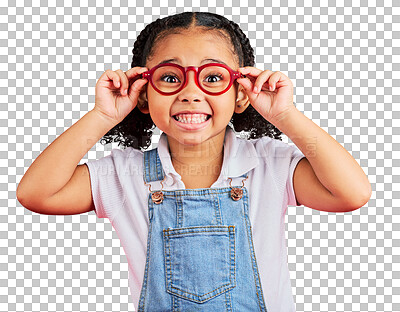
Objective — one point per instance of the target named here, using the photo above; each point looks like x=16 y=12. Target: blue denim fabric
x=200 y=254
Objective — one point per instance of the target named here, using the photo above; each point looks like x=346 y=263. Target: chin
x=191 y=140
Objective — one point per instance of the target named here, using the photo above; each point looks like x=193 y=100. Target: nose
x=190 y=92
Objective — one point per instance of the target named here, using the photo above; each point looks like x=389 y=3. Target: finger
x=274 y=79
x=137 y=83
x=113 y=78
x=250 y=71
x=251 y=74
x=123 y=80
x=137 y=86
x=246 y=84
x=262 y=79
x=135 y=71
x=256 y=83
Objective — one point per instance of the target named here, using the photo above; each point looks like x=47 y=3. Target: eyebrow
x=175 y=60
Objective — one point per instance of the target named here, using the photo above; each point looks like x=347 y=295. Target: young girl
x=200 y=217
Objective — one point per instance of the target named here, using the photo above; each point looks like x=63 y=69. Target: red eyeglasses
x=211 y=78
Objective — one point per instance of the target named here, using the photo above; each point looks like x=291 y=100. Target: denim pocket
x=199 y=261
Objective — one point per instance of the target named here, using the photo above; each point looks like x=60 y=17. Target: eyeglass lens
x=214 y=79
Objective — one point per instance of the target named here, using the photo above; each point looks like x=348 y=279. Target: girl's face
x=193 y=48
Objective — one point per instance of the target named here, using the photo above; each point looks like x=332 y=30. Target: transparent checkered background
x=344 y=64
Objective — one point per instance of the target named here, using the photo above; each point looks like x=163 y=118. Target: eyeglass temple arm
x=141 y=76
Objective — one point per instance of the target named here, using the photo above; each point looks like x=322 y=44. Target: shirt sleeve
x=296 y=156
x=107 y=191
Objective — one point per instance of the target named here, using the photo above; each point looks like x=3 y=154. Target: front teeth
x=194 y=118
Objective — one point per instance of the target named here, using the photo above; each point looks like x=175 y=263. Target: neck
x=205 y=155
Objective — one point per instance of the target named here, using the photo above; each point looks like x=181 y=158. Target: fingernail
x=255 y=89
x=271 y=88
x=117 y=84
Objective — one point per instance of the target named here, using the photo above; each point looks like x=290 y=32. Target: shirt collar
x=240 y=156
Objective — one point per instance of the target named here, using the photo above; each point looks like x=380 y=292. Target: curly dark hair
x=137 y=128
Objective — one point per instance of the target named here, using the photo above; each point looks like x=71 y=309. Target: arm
x=56 y=167
x=329 y=178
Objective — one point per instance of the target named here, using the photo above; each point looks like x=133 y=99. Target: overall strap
x=152 y=167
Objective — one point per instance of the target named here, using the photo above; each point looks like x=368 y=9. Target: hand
x=117 y=92
x=270 y=103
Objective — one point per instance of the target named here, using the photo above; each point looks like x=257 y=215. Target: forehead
x=190 y=48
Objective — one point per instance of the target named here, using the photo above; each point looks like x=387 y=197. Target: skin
x=201 y=149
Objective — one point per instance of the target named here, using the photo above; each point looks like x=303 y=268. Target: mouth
x=192 y=121
x=191 y=118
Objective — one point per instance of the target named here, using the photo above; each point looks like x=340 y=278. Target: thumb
x=135 y=88
x=247 y=86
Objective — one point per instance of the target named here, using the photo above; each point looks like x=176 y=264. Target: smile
x=192 y=118
x=192 y=121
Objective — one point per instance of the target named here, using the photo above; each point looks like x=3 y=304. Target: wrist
x=104 y=120
x=285 y=117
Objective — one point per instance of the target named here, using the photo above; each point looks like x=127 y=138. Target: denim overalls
x=200 y=254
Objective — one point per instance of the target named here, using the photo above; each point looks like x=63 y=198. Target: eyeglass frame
x=233 y=76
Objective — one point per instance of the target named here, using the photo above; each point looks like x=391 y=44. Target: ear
x=142 y=102
x=242 y=100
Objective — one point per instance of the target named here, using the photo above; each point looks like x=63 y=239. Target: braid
x=137 y=128
x=250 y=120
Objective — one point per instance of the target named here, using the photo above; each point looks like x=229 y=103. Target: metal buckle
x=237 y=192
x=157 y=197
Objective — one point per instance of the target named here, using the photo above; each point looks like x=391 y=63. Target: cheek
x=157 y=108
x=158 y=112
x=224 y=111
x=226 y=105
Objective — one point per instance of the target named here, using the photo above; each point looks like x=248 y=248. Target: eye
x=215 y=75
x=168 y=75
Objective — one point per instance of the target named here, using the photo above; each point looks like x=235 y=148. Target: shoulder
x=126 y=154
x=117 y=160
x=270 y=149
